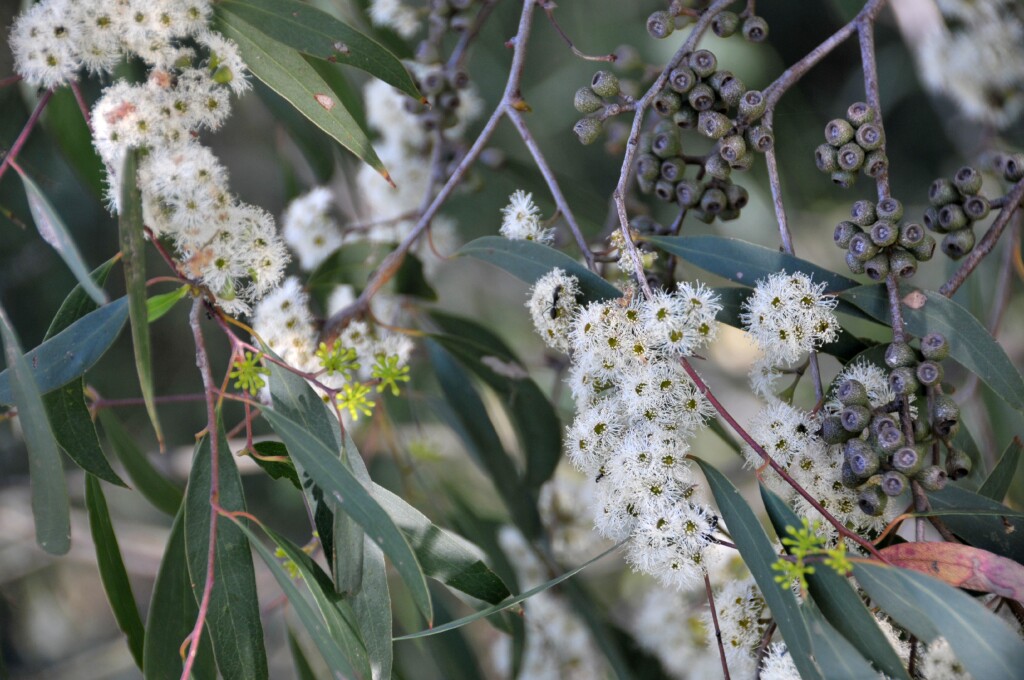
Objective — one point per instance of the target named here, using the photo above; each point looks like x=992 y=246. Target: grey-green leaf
x=51 y=227
x=302 y=668
x=50 y=508
x=928 y=608
x=318 y=34
x=839 y=660
x=153 y=486
x=999 y=533
x=969 y=343
x=133 y=247
x=529 y=260
x=112 y=572
x=73 y=351
x=295 y=404
x=234 y=617
x=758 y=555
x=285 y=71
x=158 y=305
x=998 y=482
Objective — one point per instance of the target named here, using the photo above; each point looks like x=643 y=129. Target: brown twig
x=714 y=621
x=549 y=8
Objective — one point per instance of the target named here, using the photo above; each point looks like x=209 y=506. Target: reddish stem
x=15 y=149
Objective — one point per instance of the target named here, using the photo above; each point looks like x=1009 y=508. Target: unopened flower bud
x=935 y=347
x=605 y=84
x=587 y=130
x=958 y=243
x=586 y=101
x=838 y=132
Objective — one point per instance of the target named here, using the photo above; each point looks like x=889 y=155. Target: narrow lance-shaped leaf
x=928 y=609
x=153 y=486
x=961 y=566
x=839 y=660
x=302 y=668
x=999 y=480
x=112 y=572
x=51 y=227
x=285 y=71
x=757 y=553
x=158 y=305
x=998 y=532
x=133 y=247
x=234 y=616
x=73 y=351
x=347 y=564
x=50 y=508
x=318 y=34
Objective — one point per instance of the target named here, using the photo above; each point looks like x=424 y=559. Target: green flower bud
x=942 y=192
x=883 y=233
x=760 y=138
x=731 y=92
x=900 y=354
x=755 y=29
x=850 y=157
x=838 y=132
x=717 y=167
x=935 y=347
x=855 y=417
x=852 y=393
x=843 y=178
x=667 y=102
x=587 y=130
x=945 y=415
x=732 y=148
x=860 y=113
x=685 y=118
x=976 y=207
x=672 y=169
x=586 y=101
x=876 y=163
x=845 y=231
x=713 y=201
x=889 y=209
x=958 y=243
x=703 y=63
x=924 y=251
x=911 y=235
x=825 y=158
x=855 y=264
x=907 y=460
x=604 y=84
x=701 y=97
x=958 y=464
x=862 y=459
x=862 y=247
x=714 y=125
x=871 y=500
x=665 y=190
x=902 y=263
x=929 y=373
x=833 y=432
x=894 y=483
x=877 y=268
x=737 y=196
x=952 y=217
x=752 y=105
x=688 y=192
x=660 y=25
x=967 y=181
x=666 y=144
x=648 y=166
x=725 y=24
x=931 y=478
x=223 y=75
x=682 y=79
x=869 y=137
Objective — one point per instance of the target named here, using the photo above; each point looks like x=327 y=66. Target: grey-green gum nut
x=667 y=102
x=862 y=247
x=845 y=231
x=925 y=250
x=850 y=157
x=872 y=500
x=860 y=113
x=586 y=101
x=902 y=262
x=942 y=192
x=894 y=483
x=967 y=181
x=825 y=158
x=852 y=392
x=713 y=124
x=605 y=84
x=935 y=346
x=838 y=132
x=931 y=478
x=899 y=354
x=587 y=130
x=958 y=464
x=908 y=460
x=876 y=163
x=862 y=213
x=958 y=243
x=945 y=415
x=877 y=268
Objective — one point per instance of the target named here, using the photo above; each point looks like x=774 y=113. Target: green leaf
x=302 y=668
x=351 y=97
x=64 y=123
x=73 y=351
x=158 y=305
x=744 y=262
x=483 y=613
x=409 y=280
x=532 y=414
x=285 y=71
x=276 y=469
x=65 y=407
x=153 y=486
x=757 y=553
x=172 y=614
x=318 y=34
x=50 y=508
x=998 y=482
x=338 y=643
x=133 y=247
x=838 y=603
x=314 y=144
x=470 y=419
x=112 y=572
x=300 y=417
x=928 y=608
x=529 y=260
x=51 y=228
x=1000 y=533
x=833 y=652
x=234 y=617
x=347 y=546
x=969 y=343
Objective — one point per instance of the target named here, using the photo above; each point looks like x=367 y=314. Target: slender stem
x=10 y=80
x=714 y=621
x=458 y=56
x=83 y=106
x=773 y=464
x=15 y=149
x=987 y=242
x=556 y=192
x=99 y=404
x=762 y=648
x=210 y=389
x=866 y=39
x=549 y=8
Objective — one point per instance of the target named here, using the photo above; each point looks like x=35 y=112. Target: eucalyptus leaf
x=999 y=480
x=153 y=486
x=1000 y=533
x=158 y=305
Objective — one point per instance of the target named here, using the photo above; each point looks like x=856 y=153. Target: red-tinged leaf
x=961 y=566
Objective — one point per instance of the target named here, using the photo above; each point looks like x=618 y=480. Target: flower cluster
x=308 y=228
x=787 y=315
x=636 y=410
x=396 y=15
x=520 y=220
x=742 y=619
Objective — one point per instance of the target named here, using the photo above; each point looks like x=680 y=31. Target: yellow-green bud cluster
x=956 y=204
x=853 y=144
x=878 y=242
